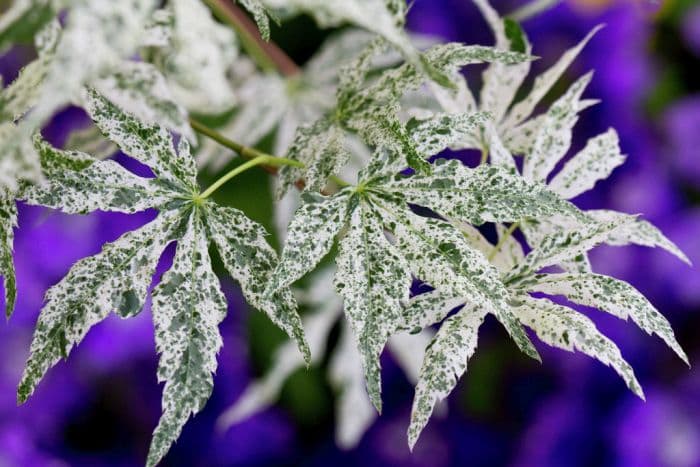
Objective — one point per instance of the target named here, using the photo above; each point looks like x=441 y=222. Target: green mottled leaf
x=188 y=306
x=8 y=222
x=543 y=84
x=611 y=295
x=562 y=246
x=553 y=137
x=115 y=279
x=439 y=255
x=595 y=162
x=18 y=158
x=22 y=20
x=149 y=144
x=374 y=281
x=434 y=135
x=310 y=237
x=566 y=329
x=251 y=260
x=636 y=231
x=428 y=308
x=444 y=363
x=76 y=183
x=484 y=194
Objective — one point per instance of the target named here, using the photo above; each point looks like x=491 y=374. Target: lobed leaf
x=250 y=260
x=188 y=306
x=115 y=279
x=609 y=294
x=566 y=329
x=374 y=281
x=8 y=222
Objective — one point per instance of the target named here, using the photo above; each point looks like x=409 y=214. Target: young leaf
x=566 y=329
x=188 y=306
x=374 y=281
x=611 y=295
x=8 y=222
x=444 y=364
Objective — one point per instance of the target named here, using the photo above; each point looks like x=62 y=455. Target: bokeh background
x=100 y=407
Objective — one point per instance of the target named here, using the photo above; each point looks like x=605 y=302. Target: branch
x=267 y=55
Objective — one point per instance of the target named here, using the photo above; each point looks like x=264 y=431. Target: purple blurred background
x=99 y=408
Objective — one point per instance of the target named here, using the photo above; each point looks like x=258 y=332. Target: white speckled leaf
x=510 y=253
x=115 y=279
x=484 y=194
x=76 y=183
x=566 y=245
x=188 y=306
x=439 y=255
x=609 y=294
x=309 y=237
x=637 y=232
x=251 y=260
x=353 y=409
x=91 y=141
x=428 y=308
x=434 y=135
x=149 y=144
x=499 y=154
x=567 y=329
x=374 y=281
x=554 y=134
x=197 y=59
x=97 y=37
x=595 y=162
x=444 y=364
x=141 y=90
x=543 y=83
x=8 y=222
x=501 y=82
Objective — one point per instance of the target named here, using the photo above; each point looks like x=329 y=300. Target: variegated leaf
x=566 y=329
x=374 y=281
x=188 y=306
x=484 y=194
x=614 y=296
x=353 y=409
x=310 y=237
x=434 y=135
x=501 y=81
x=8 y=222
x=444 y=364
x=251 y=260
x=78 y=184
x=149 y=144
x=637 y=231
x=561 y=246
x=543 y=84
x=427 y=309
x=91 y=141
x=595 y=162
x=554 y=134
x=18 y=158
x=115 y=279
x=141 y=90
x=438 y=254
x=22 y=19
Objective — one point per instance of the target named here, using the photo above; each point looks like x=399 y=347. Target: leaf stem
x=268 y=161
x=267 y=55
x=484 y=156
x=501 y=241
